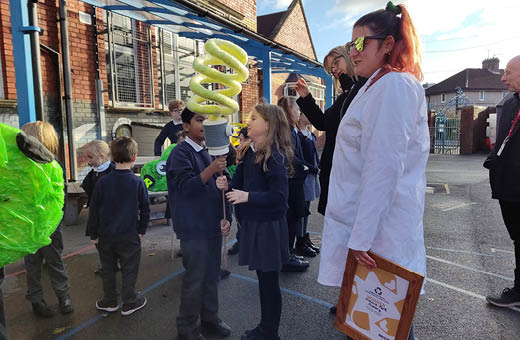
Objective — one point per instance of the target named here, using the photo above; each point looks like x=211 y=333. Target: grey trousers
x=129 y=254
x=199 y=293
x=3 y=331
x=55 y=265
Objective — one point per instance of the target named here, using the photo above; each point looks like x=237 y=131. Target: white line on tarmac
x=469 y=268
x=464 y=291
x=459 y=206
x=465 y=252
x=494 y=250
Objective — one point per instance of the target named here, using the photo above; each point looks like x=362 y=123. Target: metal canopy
x=177 y=18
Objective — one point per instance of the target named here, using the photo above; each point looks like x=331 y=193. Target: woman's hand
x=237 y=196
x=225 y=227
x=302 y=88
x=222 y=183
x=363 y=258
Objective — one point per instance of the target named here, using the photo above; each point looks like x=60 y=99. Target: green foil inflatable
x=154 y=172
x=31 y=199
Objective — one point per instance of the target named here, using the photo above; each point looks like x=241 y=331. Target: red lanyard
x=515 y=121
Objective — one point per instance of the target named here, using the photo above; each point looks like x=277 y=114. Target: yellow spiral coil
x=219 y=52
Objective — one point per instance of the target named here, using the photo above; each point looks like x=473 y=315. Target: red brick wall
x=6 y=47
x=249 y=95
x=245 y=7
x=294 y=33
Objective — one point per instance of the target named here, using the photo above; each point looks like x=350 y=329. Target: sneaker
x=41 y=308
x=107 y=306
x=129 y=308
x=510 y=297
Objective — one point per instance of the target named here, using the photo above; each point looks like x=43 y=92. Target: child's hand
x=219 y=164
x=225 y=227
x=96 y=241
x=222 y=183
x=237 y=196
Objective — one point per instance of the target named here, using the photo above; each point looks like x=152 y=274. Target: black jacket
x=504 y=170
x=328 y=121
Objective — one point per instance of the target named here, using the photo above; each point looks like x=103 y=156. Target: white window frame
x=443 y=97
x=161 y=57
x=482 y=96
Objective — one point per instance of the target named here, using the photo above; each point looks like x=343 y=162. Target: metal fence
x=446 y=135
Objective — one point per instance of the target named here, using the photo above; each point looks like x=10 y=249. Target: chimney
x=491 y=64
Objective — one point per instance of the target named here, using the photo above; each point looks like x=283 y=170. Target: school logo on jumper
x=376 y=303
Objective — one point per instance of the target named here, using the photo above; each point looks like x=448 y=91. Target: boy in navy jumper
x=196 y=209
x=118 y=217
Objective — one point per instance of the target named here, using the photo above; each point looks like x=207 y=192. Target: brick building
x=126 y=68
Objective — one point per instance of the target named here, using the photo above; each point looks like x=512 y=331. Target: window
x=187 y=50
x=127 y=43
x=166 y=70
x=316 y=90
x=482 y=96
x=443 y=97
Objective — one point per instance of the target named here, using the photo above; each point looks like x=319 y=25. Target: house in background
x=481 y=87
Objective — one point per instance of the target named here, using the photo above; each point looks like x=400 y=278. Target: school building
x=98 y=69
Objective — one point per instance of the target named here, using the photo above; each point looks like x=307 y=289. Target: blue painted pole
x=22 y=61
x=266 y=73
x=329 y=91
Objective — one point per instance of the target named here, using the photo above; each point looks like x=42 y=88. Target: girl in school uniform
x=378 y=181
x=260 y=187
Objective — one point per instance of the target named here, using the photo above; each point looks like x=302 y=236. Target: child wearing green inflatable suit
x=196 y=209
x=44 y=132
x=118 y=217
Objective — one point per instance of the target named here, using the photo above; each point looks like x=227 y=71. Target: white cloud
x=475 y=28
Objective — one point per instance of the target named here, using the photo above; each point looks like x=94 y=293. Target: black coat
x=328 y=121
x=504 y=170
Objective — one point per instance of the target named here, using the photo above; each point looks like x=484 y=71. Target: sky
x=455 y=34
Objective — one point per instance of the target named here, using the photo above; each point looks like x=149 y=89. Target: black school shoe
x=310 y=244
x=257 y=334
x=191 y=336
x=295 y=265
x=510 y=297
x=129 y=308
x=302 y=248
x=219 y=328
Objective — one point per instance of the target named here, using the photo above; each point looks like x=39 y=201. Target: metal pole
x=36 y=59
x=22 y=61
x=68 y=86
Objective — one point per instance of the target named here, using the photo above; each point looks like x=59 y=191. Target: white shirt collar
x=194 y=145
x=102 y=167
x=176 y=122
x=252 y=146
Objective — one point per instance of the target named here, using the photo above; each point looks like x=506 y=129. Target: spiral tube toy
x=225 y=53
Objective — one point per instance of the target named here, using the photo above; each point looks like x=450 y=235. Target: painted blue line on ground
x=98 y=317
x=230 y=243
x=315 y=232
x=288 y=291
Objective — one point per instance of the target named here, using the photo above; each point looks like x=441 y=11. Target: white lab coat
x=378 y=181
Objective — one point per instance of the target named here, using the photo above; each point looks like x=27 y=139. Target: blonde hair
x=97 y=148
x=278 y=137
x=339 y=51
x=45 y=133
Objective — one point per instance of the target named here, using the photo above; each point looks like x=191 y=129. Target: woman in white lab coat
x=378 y=182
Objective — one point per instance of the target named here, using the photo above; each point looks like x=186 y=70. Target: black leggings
x=270 y=302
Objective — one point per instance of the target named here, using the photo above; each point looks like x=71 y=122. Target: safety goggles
x=359 y=43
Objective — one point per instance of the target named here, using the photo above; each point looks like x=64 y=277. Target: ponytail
x=405 y=56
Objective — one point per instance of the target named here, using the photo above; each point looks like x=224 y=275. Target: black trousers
x=270 y=302
x=199 y=293
x=56 y=267
x=511 y=216
x=128 y=252
x=3 y=331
